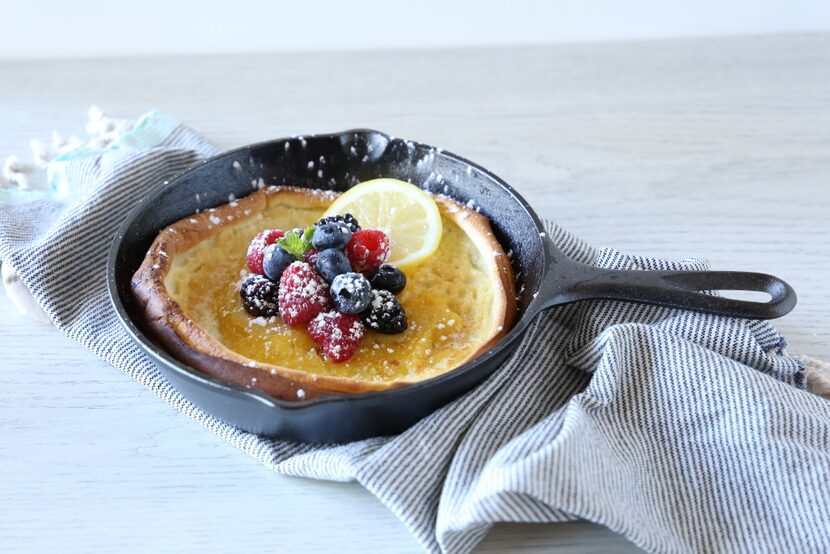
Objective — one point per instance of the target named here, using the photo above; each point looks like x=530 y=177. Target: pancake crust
x=459 y=302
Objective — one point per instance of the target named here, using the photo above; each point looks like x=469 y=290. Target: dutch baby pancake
x=285 y=292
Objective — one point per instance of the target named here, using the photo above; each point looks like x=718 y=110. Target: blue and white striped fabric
x=685 y=432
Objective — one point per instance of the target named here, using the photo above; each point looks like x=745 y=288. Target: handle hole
x=747 y=295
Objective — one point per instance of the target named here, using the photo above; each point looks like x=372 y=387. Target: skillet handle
x=568 y=281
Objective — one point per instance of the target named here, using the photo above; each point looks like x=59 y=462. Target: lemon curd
x=449 y=300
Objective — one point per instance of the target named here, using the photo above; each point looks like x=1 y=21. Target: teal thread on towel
x=150 y=130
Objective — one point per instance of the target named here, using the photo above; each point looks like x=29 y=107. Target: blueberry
x=385 y=314
x=275 y=260
x=351 y=293
x=331 y=263
x=331 y=235
x=389 y=278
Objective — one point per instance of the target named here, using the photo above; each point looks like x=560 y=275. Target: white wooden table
x=716 y=148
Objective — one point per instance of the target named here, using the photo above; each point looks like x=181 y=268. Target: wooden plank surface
x=715 y=148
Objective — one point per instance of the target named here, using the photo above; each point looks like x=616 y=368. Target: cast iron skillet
x=548 y=276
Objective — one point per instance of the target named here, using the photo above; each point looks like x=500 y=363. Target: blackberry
x=387 y=277
x=259 y=296
x=348 y=219
x=384 y=314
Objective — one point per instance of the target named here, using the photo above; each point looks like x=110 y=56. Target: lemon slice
x=408 y=216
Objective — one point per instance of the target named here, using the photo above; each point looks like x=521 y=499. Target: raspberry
x=257 y=248
x=368 y=249
x=337 y=334
x=310 y=256
x=303 y=294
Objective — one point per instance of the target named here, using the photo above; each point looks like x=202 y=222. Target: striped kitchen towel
x=685 y=432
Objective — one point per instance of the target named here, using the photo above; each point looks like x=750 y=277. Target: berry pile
x=329 y=277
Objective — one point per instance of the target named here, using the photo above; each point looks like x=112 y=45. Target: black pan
x=548 y=277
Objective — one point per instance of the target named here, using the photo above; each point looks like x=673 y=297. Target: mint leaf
x=295 y=243
x=292 y=244
x=307 y=234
